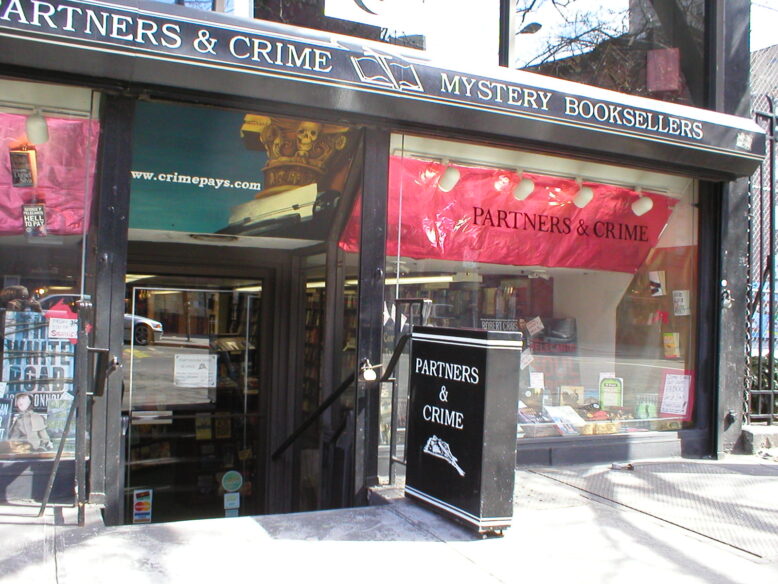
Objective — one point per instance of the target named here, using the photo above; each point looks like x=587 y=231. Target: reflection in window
x=651 y=48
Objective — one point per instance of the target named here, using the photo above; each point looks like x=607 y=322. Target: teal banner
x=190 y=168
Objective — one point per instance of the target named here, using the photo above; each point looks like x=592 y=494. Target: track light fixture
x=524 y=188
x=37 y=129
x=643 y=204
x=584 y=195
x=449 y=178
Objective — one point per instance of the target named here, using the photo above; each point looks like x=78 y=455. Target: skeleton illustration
x=307 y=134
x=440 y=449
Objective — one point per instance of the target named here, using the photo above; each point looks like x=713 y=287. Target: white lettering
x=322 y=60
x=232 y=47
x=37 y=13
x=468 y=86
x=172 y=33
x=302 y=61
x=264 y=51
x=69 y=12
x=571 y=106
x=545 y=96
x=452 y=371
x=148 y=29
x=484 y=89
x=14 y=7
x=443 y=416
x=449 y=85
x=119 y=27
x=92 y=18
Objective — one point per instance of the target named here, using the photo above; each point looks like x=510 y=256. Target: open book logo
x=380 y=70
x=440 y=449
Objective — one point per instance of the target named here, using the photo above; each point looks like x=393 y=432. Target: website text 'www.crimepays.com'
x=199 y=181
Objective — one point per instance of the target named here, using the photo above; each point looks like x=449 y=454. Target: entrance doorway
x=193 y=383
x=241 y=313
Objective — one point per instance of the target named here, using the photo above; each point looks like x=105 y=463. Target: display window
x=49 y=138
x=595 y=264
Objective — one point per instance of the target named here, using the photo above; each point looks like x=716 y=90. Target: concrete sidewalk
x=663 y=522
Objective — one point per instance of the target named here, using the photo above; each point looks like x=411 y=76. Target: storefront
x=211 y=225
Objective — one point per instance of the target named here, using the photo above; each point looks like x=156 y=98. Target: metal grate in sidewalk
x=735 y=503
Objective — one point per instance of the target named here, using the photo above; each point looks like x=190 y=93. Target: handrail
x=398 y=349
x=314 y=416
x=335 y=395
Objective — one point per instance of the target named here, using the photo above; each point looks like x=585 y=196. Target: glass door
x=192 y=392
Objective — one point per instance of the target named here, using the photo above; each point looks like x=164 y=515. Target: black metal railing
x=333 y=397
x=761 y=379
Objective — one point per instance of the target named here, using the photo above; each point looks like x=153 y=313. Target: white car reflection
x=138 y=329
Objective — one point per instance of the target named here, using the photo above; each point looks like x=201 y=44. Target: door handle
x=105 y=366
x=113 y=365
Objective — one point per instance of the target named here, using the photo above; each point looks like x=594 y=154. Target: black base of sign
x=480 y=524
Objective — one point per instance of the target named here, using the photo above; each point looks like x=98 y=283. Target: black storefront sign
x=461 y=445
x=272 y=50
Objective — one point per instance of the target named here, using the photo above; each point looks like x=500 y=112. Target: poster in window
x=34 y=220
x=37 y=384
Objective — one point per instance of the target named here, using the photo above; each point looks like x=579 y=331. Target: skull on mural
x=307 y=134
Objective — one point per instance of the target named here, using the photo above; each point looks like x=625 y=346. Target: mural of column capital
x=299 y=152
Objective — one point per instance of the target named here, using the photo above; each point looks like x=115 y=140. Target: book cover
x=672 y=345
x=24 y=169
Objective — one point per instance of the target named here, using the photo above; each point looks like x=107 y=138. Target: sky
x=764 y=23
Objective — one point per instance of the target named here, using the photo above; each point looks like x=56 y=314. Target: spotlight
x=524 y=189
x=449 y=179
x=642 y=206
x=584 y=195
x=37 y=128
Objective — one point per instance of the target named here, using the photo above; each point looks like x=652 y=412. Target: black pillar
x=729 y=92
x=372 y=258
x=107 y=266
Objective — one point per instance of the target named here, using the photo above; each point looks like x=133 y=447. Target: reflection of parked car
x=139 y=329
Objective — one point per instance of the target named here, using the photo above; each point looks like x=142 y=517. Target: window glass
x=46 y=178
x=653 y=48
x=594 y=264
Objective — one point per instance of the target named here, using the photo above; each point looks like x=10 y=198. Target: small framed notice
x=141 y=505
x=681 y=305
x=535 y=326
x=676 y=396
x=537 y=380
x=526 y=358
x=232 y=500
x=194 y=370
x=63 y=328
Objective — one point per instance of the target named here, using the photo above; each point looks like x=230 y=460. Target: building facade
x=213 y=227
